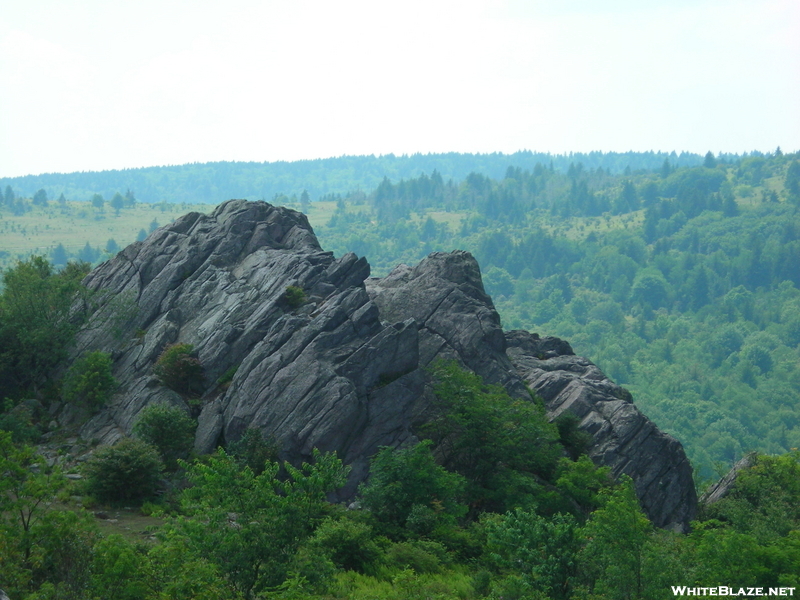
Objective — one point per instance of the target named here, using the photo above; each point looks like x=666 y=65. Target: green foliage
x=253 y=451
x=178 y=369
x=616 y=535
x=227 y=376
x=128 y=471
x=18 y=421
x=542 y=551
x=249 y=526
x=574 y=440
x=763 y=502
x=499 y=444
x=37 y=543
x=89 y=382
x=169 y=429
x=420 y=556
x=36 y=324
x=408 y=492
x=294 y=296
x=345 y=543
x=581 y=482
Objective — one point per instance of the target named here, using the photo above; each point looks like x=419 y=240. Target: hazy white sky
x=90 y=85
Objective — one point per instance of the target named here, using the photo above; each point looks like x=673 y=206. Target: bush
x=18 y=421
x=129 y=470
x=169 y=429
x=89 y=382
x=177 y=369
x=346 y=543
x=254 y=451
x=294 y=296
x=407 y=485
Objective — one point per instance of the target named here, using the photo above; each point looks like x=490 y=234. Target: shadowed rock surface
x=346 y=370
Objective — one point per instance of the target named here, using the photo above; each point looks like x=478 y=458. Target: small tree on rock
x=179 y=370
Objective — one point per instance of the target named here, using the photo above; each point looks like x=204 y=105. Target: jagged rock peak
x=346 y=370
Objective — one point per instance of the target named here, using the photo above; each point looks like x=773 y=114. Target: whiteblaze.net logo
x=724 y=590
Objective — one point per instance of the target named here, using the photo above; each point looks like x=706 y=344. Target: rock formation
x=344 y=371
x=724 y=486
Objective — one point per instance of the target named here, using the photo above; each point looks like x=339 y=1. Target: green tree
x=89 y=382
x=167 y=428
x=88 y=254
x=178 y=369
x=36 y=324
x=650 y=288
x=543 y=551
x=765 y=500
x=500 y=444
x=254 y=451
x=60 y=255
x=98 y=201
x=9 y=196
x=407 y=490
x=40 y=198
x=117 y=202
x=37 y=543
x=615 y=539
x=792 y=182
x=129 y=470
x=250 y=526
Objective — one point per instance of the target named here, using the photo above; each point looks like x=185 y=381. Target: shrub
x=177 y=369
x=226 y=378
x=346 y=543
x=294 y=296
x=254 y=451
x=89 y=382
x=169 y=429
x=129 y=470
x=407 y=485
x=18 y=421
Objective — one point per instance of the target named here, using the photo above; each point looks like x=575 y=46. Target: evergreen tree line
x=218 y=181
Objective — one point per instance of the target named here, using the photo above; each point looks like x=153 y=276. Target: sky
x=90 y=85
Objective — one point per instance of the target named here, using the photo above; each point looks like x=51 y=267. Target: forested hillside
x=212 y=183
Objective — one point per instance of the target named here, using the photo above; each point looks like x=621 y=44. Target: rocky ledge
x=346 y=370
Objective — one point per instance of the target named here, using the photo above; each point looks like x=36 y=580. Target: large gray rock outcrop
x=622 y=437
x=345 y=371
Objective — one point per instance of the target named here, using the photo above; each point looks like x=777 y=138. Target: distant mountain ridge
x=215 y=182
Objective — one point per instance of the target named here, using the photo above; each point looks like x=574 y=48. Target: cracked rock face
x=346 y=370
x=622 y=437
